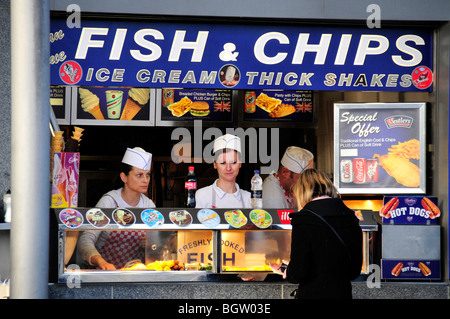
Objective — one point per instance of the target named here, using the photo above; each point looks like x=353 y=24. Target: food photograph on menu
x=278 y=106
x=113 y=104
x=193 y=104
x=379 y=148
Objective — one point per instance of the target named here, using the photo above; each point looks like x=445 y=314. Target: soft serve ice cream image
x=90 y=103
x=137 y=98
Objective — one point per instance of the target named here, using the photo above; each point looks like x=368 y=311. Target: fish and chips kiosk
x=167 y=77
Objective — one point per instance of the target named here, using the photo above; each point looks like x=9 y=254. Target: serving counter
x=186 y=244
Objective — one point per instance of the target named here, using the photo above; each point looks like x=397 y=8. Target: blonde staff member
x=111 y=250
x=225 y=192
x=277 y=186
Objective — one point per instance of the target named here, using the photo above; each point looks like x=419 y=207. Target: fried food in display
x=400 y=168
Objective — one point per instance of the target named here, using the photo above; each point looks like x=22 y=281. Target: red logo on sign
x=422 y=77
x=70 y=72
x=284 y=215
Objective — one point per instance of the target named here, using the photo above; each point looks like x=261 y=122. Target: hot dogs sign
x=379 y=148
x=410 y=210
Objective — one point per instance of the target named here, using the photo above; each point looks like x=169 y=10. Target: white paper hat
x=227 y=141
x=296 y=159
x=137 y=157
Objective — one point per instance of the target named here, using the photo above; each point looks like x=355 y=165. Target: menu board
x=60 y=103
x=95 y=105
x=180 y=105
x=379 y=148
x=279 y=106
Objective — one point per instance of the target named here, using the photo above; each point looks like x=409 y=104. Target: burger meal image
x=199 y=108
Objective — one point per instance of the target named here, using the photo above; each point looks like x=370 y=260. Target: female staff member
x=111 y=250
x=321 y=263
x=225 y=192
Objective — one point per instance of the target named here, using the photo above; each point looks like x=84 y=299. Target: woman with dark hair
x=111 y=250
x=326 y=247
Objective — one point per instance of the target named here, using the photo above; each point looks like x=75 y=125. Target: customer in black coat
x=319 y=262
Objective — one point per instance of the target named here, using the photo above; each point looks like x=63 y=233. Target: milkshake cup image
x=229 y=75
x=90 y=103
x=114 y=103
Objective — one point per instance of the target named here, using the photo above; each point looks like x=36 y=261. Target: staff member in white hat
x=225 y=192
x=111 y=250
x=277 y=186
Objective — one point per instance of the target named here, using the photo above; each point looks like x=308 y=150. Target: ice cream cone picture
x=90 y=103
x=72 y=196
x=137 y=98
x=59 y=176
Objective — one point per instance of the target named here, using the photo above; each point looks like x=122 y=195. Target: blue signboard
x=140 y=53
x=410 y=210
x=411 y=269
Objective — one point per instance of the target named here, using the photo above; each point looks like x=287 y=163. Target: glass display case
x=181 y=244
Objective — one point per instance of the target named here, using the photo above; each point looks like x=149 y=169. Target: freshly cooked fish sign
x=404 y=172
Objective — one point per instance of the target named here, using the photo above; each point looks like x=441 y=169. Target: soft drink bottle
x=256 y=190
x=190 y=187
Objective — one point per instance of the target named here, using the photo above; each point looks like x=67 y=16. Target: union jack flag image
x=222 y=106
x=303 y=107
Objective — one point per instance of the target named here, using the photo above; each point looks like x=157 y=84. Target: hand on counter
x=101 y=263
x=278 y=270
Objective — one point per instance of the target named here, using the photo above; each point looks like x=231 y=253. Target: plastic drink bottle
x=256 y=190
x=190 y=187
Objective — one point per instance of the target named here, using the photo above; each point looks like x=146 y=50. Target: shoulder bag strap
x=334 y=231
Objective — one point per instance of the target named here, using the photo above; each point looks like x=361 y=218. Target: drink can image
x=359 y=170
x=168 y=97
x=372 y=170
x=250 y=99
x=347 y=175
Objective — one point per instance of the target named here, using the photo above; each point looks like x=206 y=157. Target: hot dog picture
x=388 y=207
x=431 y=207
x=396 y=270
x=425 y=270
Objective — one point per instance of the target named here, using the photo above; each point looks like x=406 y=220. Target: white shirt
x=90 y=241
x=114 y=199
x=273 y=194
x=213 y=196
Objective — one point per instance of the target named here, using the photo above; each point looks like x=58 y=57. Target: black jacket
x=319 y=262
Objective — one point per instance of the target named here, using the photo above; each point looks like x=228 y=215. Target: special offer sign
x=379 y=148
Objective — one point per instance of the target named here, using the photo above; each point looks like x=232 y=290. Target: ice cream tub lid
x=260 y=218
x=123 y=217
x=235 y=218
x=97 y=218
x=208 y=217
x=152 y=218
x=71 y=218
